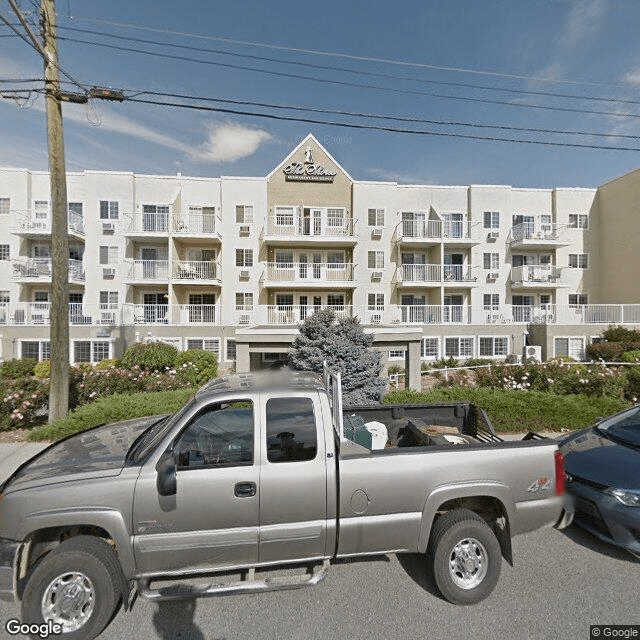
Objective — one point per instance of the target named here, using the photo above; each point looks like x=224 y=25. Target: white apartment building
x=234 y=264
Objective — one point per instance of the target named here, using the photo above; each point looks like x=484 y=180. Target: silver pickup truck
x=257 y=484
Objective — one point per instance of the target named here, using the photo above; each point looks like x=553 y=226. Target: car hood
x=95 y=451
x=591 y=456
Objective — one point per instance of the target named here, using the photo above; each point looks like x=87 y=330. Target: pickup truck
x=258 y=484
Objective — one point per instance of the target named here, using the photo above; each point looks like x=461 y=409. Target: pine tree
x=345 y=347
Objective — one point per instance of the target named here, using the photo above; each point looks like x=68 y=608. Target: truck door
x=293 y=479
x=212 y=521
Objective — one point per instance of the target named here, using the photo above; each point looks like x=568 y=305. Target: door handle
x=245 y=489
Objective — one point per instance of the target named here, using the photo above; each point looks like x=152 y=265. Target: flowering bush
x=154 y=356
x=196 y=366
x=24 y=403
x=15 y=369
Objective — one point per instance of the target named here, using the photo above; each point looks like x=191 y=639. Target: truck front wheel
x=76 y=586
x=465 y=556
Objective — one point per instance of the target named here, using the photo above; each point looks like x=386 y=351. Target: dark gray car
x=602 y=463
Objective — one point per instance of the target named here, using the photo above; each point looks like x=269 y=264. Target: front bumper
x=9 y=552
x=604 y=516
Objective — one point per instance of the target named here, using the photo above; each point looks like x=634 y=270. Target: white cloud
x=633 y=76
x=228 y=143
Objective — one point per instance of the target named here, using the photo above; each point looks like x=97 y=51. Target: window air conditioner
x=376 y=275
x=108 y=227
x=376 y=233
x=493 y=275
x=376 y=318
x=245 y=318
x=244 y=274
x=109 y=272
x=532 y=352
x=245 y=230
x=493 y=235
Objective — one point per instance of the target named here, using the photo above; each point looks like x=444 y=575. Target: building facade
x=234 y=264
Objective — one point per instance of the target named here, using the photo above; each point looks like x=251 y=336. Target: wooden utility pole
x=59 y=387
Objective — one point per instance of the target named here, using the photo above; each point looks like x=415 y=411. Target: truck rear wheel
x=465 y=556
x=76 y=585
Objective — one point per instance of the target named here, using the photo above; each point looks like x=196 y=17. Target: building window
x=578 y=221
x=335 y=260
x=230 y=352
x=108 y=299
x=579 y=260
x=5 y=297
x=335 y=300
x=244 y=213
x=458 y=347
x=38 y=349
x=578 y=299
x=491 y=219
x=91 y=350
x=108 y=255
x=493 y=346
x=397 y=354
x=572 y=347
x=212 y=345
x=491 y=301
x=284 y=216
x=375 y=301
x=429 y=348
x=244 y=301
x=375 y=217
x=244 y=257
x=109 y=209
x=75 y=208
x=375 y=259
x=5 y=206
x=41 y=209
x=5 y=252
x=491 y=261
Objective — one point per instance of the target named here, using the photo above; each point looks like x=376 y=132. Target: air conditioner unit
x=245 y=230
x=493 y=275
x=376 y=233
x=532 y=352
x=109 y=272
x=376 y=275
x=107 y=317
x=245 y=318
x=244 y=274
x=376 y=318
x=492 y=235
x=108 y=227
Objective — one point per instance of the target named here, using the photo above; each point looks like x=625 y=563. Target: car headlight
x=627 y=497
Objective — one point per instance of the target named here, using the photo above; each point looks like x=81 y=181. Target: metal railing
x=193 y=223
x=40 y=269
x=324 y=227
x=436 y=273
x=25 y=223
x=309 y=271
x=195 y=270
x=535 y=273
x=294 y=314
x=421 y=229
x=147 y=269
x=535 y=231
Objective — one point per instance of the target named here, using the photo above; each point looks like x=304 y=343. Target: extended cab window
x=291 y=430
x=221 y=435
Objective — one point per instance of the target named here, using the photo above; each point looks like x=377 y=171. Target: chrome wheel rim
x=69 y=601
x=468 y=563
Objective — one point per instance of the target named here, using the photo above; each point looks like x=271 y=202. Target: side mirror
x=166 y=478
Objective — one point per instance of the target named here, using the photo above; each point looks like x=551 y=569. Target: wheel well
x=492 y=511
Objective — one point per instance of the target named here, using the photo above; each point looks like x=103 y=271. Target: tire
x=76 y=584
x=465 y=556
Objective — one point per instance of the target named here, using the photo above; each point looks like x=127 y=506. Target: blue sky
x=588 y=47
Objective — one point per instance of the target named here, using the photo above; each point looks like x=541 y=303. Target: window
x=375 y=259
x=458 y=347
x=491 y=261
x=91 y=350
x=397 y=354
x=5 y=206
x=244 y=301
x=579 y=260
x=492 y=346
x=578 y=299
x=244 y=213
x=109 y=209
x=335 y=260
x=284 y=216
x=5 y=297
x=491 y=220
x=5 y=252
x=429 y=348
x=41 y=209
x=578 y=221
x=212 y=345
x=335 y=300
x=491 y=301
x=335 y=217
x=572 y=347
x=244 y=257
x=108 y=255
x=221 y=435
x=155 y=217
x=291 y=430
x=375 y=301
x=75 y=208
x=38 y=349
x=375 y=217
x=230 y=354
x=108 y=299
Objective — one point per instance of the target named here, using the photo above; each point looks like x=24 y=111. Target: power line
x=378 y=127
x=351 y=84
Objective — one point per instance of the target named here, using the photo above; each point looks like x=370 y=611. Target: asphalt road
x=562 y=582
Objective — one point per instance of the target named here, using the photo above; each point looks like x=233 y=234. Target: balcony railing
x=535 y=274
x=197 y=223
x=42 y=226
x=39 y=313
x=40 y=269
x=421 y=229
x=309 y=271
x=147 y=269
x=194 y=270
x=148 y=223
x=436 y=273
x=307 y=228
x=532 y=231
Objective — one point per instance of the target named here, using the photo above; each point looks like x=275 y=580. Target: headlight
x=628 y=498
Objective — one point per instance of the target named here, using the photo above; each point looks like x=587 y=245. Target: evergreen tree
x=346 y=348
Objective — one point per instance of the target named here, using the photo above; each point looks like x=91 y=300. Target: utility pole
x=59 y=386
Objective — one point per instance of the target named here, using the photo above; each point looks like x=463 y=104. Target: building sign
x=308 y=171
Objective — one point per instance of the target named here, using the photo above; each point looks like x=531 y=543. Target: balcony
x=537 y=236
x=193 y=224
x=143 y=226
x=283 y=230
x=193 y=272
x=295 y=314
x=164 y=314
x=449 y=274
x=37 y=229
x=39 y=313
x=309 y=274
x=39 y=270
x=146 y=271
x=420 y=232
x=543 y=275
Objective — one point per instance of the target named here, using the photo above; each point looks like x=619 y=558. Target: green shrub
x=196 y=366
x=607 y=351
x=14 y=369
x=517 y=411
x=42 y=369
x=113 y=409
x=24 y=402
x=107 y=364
x=631 y=356
x=152 y=356
x=477 y=362
x=442 y=363
x=615 y=333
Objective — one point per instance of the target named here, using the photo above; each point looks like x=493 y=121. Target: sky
x=499 y=65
